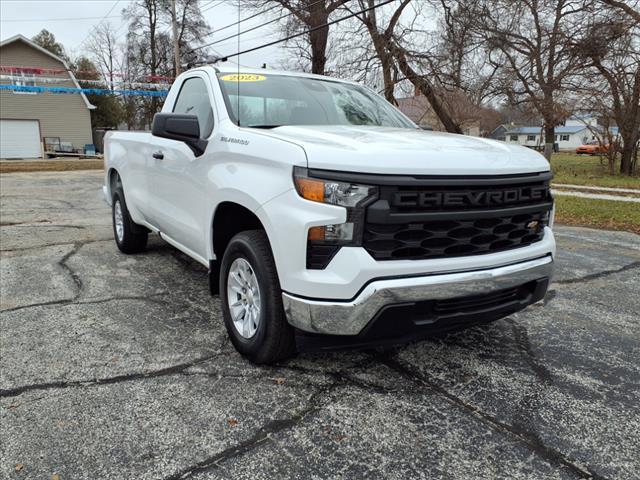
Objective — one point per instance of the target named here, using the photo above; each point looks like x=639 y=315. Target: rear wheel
x=252 y=300
x=130 y=237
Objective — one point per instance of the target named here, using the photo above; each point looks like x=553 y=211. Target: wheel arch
x=113 y=177
x=228 y=219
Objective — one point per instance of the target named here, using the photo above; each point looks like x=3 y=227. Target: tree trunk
x=389 y=84
x=549 y=137
x=318 y=39
x=386 y=61
x=318 y=48
x=380 y=42
x=626 y=160
x=422 y=84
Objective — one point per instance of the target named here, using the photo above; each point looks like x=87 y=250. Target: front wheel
x=252 y=300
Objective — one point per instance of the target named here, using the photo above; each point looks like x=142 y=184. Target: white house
x=568 y=137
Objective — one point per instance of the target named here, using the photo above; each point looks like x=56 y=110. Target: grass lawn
x=585 y=170
x=607 y=214
x=50 y=165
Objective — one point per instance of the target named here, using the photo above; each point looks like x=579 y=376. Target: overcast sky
x=28 y=17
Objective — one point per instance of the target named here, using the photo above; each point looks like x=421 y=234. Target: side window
x=193 y=99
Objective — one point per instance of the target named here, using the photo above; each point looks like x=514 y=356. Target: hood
x=388 y=150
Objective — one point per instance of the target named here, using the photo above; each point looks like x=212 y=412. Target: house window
x=25 y=80
x=564 y=138
x=513 y=138
x=531 y=138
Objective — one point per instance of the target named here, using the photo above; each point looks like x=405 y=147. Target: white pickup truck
x=324 y=214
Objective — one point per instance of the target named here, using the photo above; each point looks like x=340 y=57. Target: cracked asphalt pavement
x=116 y=366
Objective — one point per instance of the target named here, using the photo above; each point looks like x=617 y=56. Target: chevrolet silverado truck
x=322 y=212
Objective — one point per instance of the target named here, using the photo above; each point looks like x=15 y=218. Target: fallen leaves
x=232 y=422
x=19 y=467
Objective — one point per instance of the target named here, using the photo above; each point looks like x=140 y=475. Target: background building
x=575 y=132
x=28 y=119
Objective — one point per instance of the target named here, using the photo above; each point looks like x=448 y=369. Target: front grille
x=432 y=219
x=450 y=238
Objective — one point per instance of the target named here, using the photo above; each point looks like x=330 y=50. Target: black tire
x=134 y=237
x=274 y=338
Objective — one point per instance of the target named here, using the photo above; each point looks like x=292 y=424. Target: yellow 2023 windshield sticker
x=243 y=77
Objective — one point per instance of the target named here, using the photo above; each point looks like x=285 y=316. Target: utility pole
x=176 y=46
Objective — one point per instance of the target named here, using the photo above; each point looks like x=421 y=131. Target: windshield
x=269 y=101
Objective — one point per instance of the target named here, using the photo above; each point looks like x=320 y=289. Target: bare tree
x=454 y=59
x=192 y=28
x=145 y=41
x=612 y=48
x=307 y=14
x=457 y=56
x=131 y=70
x=528 y=41
x=387 y=37
x=426 y=87
x=625 y=7
x=104 y=50
x=381 y=38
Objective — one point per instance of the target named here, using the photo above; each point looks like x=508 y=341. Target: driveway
x=117 y=366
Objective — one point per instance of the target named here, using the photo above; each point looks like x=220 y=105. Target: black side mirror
x=184 y=128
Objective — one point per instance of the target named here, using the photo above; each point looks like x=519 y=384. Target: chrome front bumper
x=351 y=317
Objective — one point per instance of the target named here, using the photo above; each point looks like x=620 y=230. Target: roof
x=538 y=130
x=24 y=39
x=415 y=108
x=233 y=68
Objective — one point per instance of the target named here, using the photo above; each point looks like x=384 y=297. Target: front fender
x=249 y=186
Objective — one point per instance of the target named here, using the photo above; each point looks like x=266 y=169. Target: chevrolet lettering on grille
x=469 y=198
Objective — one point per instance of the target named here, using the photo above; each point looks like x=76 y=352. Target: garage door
x=19 y=139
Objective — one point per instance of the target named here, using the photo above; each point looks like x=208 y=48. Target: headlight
x=324 y=241
x=331 y=191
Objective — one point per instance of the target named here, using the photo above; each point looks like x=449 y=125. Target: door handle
x=158 y=155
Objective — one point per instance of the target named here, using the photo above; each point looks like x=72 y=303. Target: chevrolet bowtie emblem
x=532 y=224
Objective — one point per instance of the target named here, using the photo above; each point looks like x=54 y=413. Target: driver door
x=178 y=178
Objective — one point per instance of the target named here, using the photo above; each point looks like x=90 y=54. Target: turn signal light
x=341 y=233
x=316 y=234
x=310 y=189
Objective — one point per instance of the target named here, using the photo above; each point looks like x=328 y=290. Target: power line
x=99 y=23
x=260 y=36
x=206 y=4
x=263 y=24
x=212 y=6
x=243 y=20
x=305 y=32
